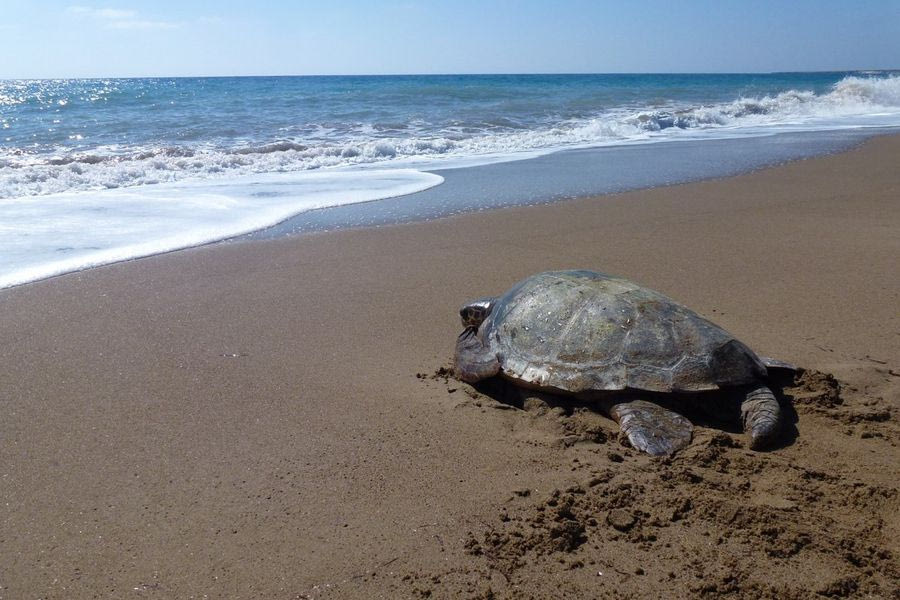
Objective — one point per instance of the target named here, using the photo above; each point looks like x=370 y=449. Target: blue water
x=93 y=171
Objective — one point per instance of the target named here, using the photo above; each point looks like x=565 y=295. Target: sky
x=96 y=38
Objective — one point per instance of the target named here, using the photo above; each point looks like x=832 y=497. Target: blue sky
x=84 y=38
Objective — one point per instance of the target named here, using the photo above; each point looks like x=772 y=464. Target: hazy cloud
x=114 y=18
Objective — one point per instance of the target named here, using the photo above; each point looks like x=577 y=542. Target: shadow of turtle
x=719 y=409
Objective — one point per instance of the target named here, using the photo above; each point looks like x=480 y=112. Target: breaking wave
x=854 y=101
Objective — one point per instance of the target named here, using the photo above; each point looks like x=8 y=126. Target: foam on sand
x=42 y=236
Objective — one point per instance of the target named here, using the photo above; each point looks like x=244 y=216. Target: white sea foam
x=48 y=235
x=71 y=210
x=852 y=102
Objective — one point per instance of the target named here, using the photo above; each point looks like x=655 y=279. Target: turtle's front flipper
x=761 y=416
x=474 y=360
x=776 y=366
x=652 y=428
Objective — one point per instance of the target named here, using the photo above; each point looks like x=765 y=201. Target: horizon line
x=448 y=74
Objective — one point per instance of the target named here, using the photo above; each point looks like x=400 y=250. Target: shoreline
x=561 y=175
x=577 y=173
x=263 y=418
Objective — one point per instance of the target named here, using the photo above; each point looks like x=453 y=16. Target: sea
x=95 y=171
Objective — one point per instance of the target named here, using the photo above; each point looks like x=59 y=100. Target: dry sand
x=263 y=419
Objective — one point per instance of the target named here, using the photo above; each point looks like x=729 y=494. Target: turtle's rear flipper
x=761 y=415
x=474 y=361
x=652 y=428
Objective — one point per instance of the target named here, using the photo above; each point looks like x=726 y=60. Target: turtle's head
x=473 y=313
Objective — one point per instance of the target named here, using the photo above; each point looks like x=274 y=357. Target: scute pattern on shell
x=578 y=331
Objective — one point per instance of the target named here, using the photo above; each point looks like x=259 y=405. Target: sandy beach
x=270 y=419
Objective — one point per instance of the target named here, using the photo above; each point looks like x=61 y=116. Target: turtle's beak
x=468 y=332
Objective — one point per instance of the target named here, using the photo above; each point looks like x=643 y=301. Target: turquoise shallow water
x=94 y=171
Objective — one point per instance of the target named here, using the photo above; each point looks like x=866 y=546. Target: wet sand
x=269 y=419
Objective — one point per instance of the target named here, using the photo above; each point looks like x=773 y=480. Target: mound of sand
x=713 y=520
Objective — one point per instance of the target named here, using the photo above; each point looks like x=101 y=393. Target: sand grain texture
x=263 y=420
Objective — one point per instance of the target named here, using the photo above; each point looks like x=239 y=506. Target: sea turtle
x=609 y=340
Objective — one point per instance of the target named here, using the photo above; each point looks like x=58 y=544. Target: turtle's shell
x=579 y=331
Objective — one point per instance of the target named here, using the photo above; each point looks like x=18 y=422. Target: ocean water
x=97 y=171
